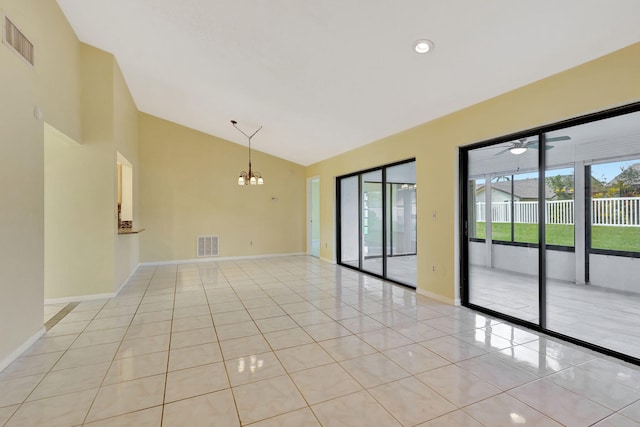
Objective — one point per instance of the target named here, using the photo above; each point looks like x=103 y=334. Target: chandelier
x=250 y=177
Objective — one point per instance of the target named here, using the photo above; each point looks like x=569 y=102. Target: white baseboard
x=18 y=351
x=446 y=300
x=123 y=284
x=91 y=297
x=216 y=259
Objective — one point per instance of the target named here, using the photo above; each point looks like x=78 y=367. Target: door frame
x=310 y=218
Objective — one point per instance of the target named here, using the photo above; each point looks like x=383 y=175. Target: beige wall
x=125 y=139
x=188 y=184
x=74 y=241
x=53 y=86
x=606 y=82
x=84 y=255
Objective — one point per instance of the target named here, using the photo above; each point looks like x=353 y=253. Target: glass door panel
x=502 y=228
x=401 y=223
x=372 y=222
x=593 y=292
x=349 y=222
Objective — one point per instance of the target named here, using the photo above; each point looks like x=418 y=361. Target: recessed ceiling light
x=423 y=46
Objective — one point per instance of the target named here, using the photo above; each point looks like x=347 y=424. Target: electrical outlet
x=433 y=268
x=251 y=243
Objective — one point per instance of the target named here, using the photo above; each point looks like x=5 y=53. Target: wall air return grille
x=207 y=246
x=16 y=39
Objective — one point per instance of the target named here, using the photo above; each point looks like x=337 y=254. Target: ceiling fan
x=520 y=146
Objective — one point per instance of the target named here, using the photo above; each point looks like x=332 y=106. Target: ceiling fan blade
x=558 y=138
x=535 y=146
x=503 y=151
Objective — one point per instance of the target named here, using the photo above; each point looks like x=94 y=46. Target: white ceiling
x=327 y=76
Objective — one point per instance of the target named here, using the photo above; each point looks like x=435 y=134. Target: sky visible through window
x=607 y=171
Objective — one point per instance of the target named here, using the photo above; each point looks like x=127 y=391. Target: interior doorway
x=313 y=216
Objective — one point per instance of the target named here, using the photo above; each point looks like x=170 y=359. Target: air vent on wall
x=207 y=246
x=13 y=37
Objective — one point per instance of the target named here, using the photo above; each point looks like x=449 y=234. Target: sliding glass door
x=503 y=246
x=551 y=222
x=377 y=224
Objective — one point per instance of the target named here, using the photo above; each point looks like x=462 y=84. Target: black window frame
x=463 y=169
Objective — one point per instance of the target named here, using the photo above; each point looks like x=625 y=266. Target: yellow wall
x=606 y=82
x=73 y=219
x=84 y=255
x=188 y=184
x=125 y=139
x=79 y=230
x=53 y=86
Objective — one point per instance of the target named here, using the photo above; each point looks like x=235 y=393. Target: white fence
x=619 y=211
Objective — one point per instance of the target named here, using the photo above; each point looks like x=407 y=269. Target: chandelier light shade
x=249 y=177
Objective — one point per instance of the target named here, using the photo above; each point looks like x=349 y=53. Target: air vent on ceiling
x=207 y=246
x=13 y=37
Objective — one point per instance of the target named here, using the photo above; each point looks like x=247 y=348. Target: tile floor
x=51 y=310
x=294 y=341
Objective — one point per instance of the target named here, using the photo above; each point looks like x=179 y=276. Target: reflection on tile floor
x=295 y=341
x=402 y=268
x=606 y=317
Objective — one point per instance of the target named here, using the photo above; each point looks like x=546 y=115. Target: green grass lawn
x=614 y=238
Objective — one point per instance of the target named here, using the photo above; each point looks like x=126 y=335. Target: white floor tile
x=303 y=357
x=340 y=412
x=64 y=410
x=410 y=401
x=209 y=410
x=302 y=342
x=253 y=368
x=151 y=417
x=504 y=410
x=324 y=383
x=560 y=404
x=194 y=381
x=283 y=397
x=128 y=396
x=460 y=387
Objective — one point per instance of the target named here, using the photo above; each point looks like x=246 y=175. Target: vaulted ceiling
x=326 y=76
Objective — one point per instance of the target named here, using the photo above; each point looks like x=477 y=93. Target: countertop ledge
x=130 y=230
